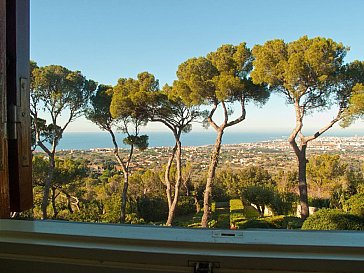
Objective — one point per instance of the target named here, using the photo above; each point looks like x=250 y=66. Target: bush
x=282 y=203
x=255 y=224
x=219 y=193
x=355 y=204
x=333 y=219
x=152 y=209
x=250 y=212
x=285 y=222
x=89 y=212
x=261 y=196
x=132 y=218
x=185 y=206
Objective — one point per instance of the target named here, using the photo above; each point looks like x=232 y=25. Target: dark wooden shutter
x=16 y=177
x=4 y=181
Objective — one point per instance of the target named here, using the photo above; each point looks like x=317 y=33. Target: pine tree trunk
x=47 y=186
x=172 y=209
x=300 y=153
x=302 y=183
x=123 y=197
x=166 y=176
x=55 y=210
x=69 y=203
x=197 y=204
x=210 y=176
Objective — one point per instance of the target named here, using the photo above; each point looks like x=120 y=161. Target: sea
x=93 y=140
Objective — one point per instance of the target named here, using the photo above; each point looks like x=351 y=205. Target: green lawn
x=234 y=213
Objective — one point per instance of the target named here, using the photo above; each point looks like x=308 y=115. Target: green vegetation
x=333 y=219
x=311 y=75
x=195 y=191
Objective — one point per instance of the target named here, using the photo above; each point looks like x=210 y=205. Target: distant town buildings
x=277 y=153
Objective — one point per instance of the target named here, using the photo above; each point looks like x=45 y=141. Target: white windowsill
x=37 y=246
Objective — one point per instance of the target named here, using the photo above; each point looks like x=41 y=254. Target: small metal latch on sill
x=203 y=266
x=227 y=234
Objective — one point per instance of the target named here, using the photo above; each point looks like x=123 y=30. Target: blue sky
x=109 y=39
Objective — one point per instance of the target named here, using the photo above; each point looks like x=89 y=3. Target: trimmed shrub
x=285 y=222
x=255 y=223
x=333 y=219
x=250 y=212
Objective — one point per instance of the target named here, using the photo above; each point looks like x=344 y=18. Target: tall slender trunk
x=125 y=168
x=47 y=185
x=54 y=196
x=166 y=176
x=124 y=195
x=197 y=204
x=69 y=202
x=177 y=186
x=300 y=153
x=210 y=176
x=302 y=182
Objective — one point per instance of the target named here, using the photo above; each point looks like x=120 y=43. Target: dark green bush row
x=333 y=219
x=276 y=222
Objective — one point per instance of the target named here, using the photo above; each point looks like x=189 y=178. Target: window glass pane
x=121 y=93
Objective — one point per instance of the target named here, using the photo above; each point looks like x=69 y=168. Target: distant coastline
x=94 y=140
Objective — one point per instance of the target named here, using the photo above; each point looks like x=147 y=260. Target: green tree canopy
x=131 y=99
x=99 y=109
x=325 y=171
x=221 y=79
x=55 y=91
x=311 y=76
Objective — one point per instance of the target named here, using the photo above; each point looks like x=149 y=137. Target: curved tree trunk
x=210 y=176
x=172 y=208
x=166 y=176
x=300 y=153
x=69 y=202
x=125 y=168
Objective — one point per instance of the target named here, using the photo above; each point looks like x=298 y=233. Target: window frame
x=15 y=133
x=106 y=247
x=36 y=246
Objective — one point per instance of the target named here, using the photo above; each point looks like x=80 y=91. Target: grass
x=190 y=220
x=234 y=213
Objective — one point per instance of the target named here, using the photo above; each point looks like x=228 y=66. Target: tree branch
x=241 y=117
x=325 y=128
x=296 y=130
x=209 y=118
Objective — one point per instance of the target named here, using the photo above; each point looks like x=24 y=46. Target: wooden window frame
x=15 y=130
x=41 y=246
x=44 y=246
